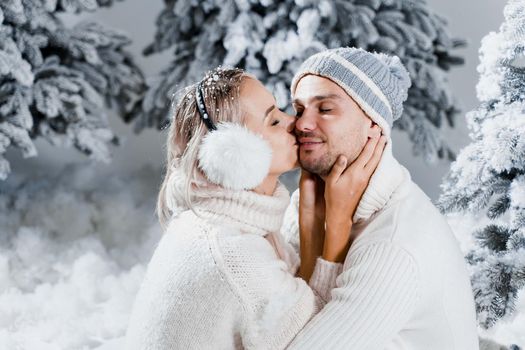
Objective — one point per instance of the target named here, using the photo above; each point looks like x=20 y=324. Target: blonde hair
x=221 y=92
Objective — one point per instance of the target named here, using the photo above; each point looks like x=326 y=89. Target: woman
x=222 y=277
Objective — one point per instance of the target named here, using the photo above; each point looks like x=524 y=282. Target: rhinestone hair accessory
x=201 y=107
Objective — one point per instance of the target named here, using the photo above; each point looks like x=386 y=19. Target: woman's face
x=276 y=127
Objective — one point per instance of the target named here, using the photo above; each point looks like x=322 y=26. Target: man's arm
x=372 y=301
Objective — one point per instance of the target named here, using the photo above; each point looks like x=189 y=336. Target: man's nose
x=306 y=122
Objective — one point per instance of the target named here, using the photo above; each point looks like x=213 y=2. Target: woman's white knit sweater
x=222 y=277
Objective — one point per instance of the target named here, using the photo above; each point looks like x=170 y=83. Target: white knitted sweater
x=222 y=277
x=404 y=283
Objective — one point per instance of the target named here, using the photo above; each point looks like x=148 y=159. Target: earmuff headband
x=201 y=107
x=231 y=155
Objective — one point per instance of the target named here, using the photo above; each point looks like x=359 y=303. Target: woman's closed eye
x=275 y=122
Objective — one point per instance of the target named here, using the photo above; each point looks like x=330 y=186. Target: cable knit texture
x=404 y=283
x=222 y=277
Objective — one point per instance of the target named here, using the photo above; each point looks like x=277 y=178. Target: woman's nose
x=289 y=122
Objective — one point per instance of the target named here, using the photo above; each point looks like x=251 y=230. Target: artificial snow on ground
x=73 y=252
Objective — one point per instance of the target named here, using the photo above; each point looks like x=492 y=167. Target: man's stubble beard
x=320 y=166
x=349 y=144
x=323 y=164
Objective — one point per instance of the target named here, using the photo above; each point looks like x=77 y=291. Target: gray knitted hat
x=378 y=83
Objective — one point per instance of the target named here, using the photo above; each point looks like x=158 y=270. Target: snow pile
x=73 y=252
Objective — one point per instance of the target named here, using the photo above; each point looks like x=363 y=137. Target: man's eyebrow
x=271 y=108
x=319 y=98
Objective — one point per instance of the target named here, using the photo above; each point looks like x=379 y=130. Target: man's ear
x=374 y=130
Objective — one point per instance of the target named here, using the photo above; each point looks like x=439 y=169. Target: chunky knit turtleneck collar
x=389 y=175
x=246 y=210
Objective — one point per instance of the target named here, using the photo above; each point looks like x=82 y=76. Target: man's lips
x=308 y=143
x=309 y=140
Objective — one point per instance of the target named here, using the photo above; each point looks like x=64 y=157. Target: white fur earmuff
x=234 y=157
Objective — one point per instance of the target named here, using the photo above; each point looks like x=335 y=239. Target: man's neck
x=388 y=176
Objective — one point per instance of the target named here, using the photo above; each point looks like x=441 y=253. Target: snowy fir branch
x=58 y=82
x=488 y=177
x=271 y=38
x=76 y=6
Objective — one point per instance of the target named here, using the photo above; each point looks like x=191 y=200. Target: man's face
x=329 y=123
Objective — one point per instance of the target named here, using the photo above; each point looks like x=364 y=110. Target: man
x=404 y=283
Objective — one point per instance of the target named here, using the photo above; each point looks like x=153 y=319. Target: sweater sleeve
x=323 y=279
x=325 y=272
x=278 y=303
x=373 y=298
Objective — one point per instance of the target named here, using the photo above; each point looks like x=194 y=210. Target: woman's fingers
x=306 y=176
x=337 y=169
x=307 y=188
x=319 y=187
x=371 y=166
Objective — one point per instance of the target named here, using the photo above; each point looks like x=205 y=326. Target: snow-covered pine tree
x=488 y=177
x=271 y=38
x=56 y=82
